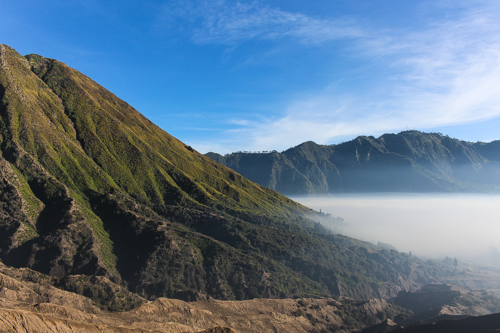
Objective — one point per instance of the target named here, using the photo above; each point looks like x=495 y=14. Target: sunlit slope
x=409 y=161
x=142 y=159
x=89 y=186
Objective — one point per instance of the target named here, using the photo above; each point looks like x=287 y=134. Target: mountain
x=410 y=161
x=101 y=210
x=90 y=187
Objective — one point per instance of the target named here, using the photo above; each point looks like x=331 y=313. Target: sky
x=227 y=76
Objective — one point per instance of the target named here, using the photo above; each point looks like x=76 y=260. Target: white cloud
x=451 y=72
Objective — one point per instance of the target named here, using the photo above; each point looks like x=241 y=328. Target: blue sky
x=226 y=75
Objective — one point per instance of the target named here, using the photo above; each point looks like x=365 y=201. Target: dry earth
x=32 y=307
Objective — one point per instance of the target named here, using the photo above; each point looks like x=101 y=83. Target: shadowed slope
x=144 y=160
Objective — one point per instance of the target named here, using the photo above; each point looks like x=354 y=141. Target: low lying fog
x=430 y=225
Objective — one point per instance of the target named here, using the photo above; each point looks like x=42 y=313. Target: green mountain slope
x=90 y=186
x=410 y=161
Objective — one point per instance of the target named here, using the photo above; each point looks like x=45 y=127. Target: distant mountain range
x=410 y=161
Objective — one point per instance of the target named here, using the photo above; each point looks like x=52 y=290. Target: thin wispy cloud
x=450 y=71
x=232 y=22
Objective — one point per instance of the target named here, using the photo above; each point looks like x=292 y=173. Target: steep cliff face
x=410 y=161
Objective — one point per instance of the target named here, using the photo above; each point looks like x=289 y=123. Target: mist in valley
x=465 y=226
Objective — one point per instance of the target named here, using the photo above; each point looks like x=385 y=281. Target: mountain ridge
x=410 y=161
